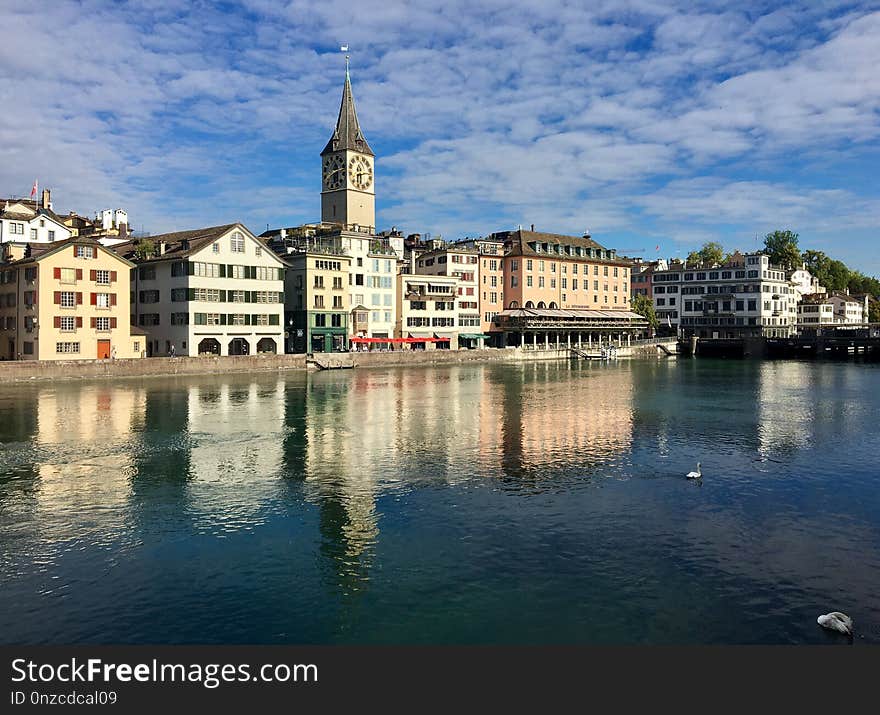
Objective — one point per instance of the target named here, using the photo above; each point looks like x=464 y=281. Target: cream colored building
x=65 y=300
x=463 y=263
x=316 y=308
x=427 y=308
x=214 y=291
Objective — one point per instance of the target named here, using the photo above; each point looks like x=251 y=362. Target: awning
x=472 y=336
x=379 y=340
x=421 y=336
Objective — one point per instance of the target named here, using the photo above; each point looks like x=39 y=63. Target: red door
x=103 y=349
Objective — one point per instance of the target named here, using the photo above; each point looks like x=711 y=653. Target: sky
x=650 y=124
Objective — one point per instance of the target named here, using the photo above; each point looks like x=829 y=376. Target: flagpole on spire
x=344 y=48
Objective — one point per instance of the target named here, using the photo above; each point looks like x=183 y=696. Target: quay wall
x=31 y=370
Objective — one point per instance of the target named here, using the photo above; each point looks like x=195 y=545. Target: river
x=510 y=503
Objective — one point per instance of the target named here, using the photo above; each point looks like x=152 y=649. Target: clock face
x=360 y=172
x=334 y=172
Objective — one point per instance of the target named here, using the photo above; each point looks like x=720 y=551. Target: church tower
x=348 y=195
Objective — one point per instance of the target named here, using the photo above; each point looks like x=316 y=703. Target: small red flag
x=34 y=190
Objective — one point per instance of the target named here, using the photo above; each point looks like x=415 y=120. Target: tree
x=782 y=247
x=644 y=306
x=874 y=311
x=145 y=249
x=711 y=254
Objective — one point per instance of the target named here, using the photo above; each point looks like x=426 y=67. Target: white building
x=27 y=221
x=426 y=309
x=745 y=297
x=848 y=310
x=215 y=290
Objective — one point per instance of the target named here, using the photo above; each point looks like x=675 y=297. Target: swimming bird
x=836 y=621
x=695 y=475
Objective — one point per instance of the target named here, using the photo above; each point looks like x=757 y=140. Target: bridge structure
x=826 y=341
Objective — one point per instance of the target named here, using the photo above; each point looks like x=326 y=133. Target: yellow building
x=65 y=300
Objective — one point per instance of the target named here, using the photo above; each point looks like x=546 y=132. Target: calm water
x=536 y=503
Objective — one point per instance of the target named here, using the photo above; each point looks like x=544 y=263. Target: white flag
x=344 y=48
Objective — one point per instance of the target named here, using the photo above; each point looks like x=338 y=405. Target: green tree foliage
x=782 y=247
x=711 y=254
x=644 y=306
x=834 y=275
x=874 y=311
x=145 y=249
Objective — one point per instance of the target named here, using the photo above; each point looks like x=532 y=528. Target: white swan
x=836 y=621
x=695 y=475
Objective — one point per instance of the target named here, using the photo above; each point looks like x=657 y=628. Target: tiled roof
x=517 y=244
x=179 y=244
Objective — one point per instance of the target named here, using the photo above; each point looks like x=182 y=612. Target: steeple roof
x=348 y=134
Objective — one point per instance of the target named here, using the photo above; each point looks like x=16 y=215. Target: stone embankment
x=29 y=370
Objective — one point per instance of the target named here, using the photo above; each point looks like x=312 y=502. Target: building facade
x=27 y=221
x=463 y=263
x=427 y=309
x=210 y=291
x=744 y=297
x=65 y=300
x=316 y=307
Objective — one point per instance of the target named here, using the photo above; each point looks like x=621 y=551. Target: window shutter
x=74 y=251
x=112 y=322
x=56 y=273
x=79 y=298
x=112 y=276
x=57 y=295
x=93 y=299
x=247 y=319
x=79 y=274
x=190 y=268
x=94 y=322
x=57 y=321
x=191 y=293
x=79 y=321
x=222 y=296
x=141 y=297
x=223 y=270
x=113 y=300
x=93 y=275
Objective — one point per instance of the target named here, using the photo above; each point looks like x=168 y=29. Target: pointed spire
x=348 y=134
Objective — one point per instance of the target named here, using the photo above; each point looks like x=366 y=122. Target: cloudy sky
x=650 y=123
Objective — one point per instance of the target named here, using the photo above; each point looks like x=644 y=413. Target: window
x=529 y=264
x=146 y=296
x=102 y=324
x=319 y=301
x=30 y=275
x=179 y=319
x=215 y=247
x=148 y=273
x=33 y=234
x=16 y=228
x=212 y=319
x=102 y=278
x=68 y=323
x=237 y=242
x=59 y=347
x=337 y=301
x=68 y=275
x=258 y=251
x=238 y=319
x=86 y=252
x=68 y=299
x=529 y=281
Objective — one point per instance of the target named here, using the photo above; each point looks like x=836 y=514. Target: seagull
x=836 y=621
x=695 y=475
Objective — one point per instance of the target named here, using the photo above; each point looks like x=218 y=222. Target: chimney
x=46 y=196
x=161 y=248
x=533 y=228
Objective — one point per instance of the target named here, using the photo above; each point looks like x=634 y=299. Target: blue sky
x=650 y=123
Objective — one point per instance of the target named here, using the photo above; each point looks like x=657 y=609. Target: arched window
x=541 y=305
x=529 y=304
x=553 y=305
x=513 y=305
